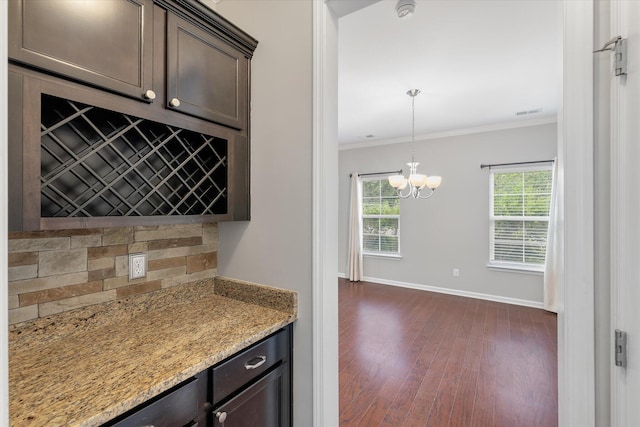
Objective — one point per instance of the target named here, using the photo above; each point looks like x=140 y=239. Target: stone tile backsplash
x=55 y=271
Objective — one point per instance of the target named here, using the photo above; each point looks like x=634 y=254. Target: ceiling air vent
x=528 y=112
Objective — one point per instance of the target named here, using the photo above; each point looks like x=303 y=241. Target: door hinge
x=621 y=348
x=618 y=46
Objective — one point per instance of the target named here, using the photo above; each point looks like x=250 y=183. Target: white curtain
x=554 y=253
x=355 y=231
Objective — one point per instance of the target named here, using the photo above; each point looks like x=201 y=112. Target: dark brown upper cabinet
x=206 y=77
x=104 y=43
x=204 y=60
x=191 y=67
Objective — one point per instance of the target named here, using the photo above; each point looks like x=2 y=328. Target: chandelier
x=416 y=182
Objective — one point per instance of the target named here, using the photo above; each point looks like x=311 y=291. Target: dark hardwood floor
x=416 y=358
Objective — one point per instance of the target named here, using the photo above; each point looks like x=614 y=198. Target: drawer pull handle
x=222 y=417
x=256 y=362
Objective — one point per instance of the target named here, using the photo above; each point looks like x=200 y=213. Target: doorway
x=576 y=343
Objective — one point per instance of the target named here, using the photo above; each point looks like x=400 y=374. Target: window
x=380 y=217
x=519 y=217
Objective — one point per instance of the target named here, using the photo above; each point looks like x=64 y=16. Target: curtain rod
x=398 y=172
x=482 y=166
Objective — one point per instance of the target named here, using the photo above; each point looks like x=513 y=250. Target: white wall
x=450 y=230
x=274 y=248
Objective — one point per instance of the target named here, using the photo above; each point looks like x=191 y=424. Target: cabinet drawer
x=248 y=365
x=262 y=404
x=179 y=407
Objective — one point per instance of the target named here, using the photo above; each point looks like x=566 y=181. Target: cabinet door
x=106 y=43
x=175 y=408
x=264 y=404
x=206 y=77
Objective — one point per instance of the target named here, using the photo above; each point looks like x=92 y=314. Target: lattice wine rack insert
x=96 y=162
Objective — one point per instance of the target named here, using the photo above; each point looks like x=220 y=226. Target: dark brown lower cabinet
x=249 y=389
x=253 y=387
x=262 y=404
x=183 y=405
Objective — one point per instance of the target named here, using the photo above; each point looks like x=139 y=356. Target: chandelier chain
x=413 y=126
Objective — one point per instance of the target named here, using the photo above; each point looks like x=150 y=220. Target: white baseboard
x=449 y=291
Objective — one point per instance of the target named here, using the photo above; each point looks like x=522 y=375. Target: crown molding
x=465 y=131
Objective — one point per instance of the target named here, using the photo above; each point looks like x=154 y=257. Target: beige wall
x=55 y=271
x=451 y=229
x=274 y=248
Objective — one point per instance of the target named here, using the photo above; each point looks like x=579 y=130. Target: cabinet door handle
x=221 y=416
x=150 y=95
x=256 y=362
x=175 y=102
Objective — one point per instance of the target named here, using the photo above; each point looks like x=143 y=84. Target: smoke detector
x=405 y=8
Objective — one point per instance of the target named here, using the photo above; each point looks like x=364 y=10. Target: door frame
x=623 y=220
x=325 y=216
x=4 y=224
x=576 y=344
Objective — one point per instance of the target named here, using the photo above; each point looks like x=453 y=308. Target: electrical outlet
x=456 y=272
x=137 y=266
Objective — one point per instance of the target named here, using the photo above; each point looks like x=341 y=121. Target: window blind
x=519 y=216
x=380 y=216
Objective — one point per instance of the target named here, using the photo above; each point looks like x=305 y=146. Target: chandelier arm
x=426 y=197
x=403 y=196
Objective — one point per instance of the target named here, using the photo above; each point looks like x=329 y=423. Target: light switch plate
x=137 y=266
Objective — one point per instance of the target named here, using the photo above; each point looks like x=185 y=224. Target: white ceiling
x=476 y=62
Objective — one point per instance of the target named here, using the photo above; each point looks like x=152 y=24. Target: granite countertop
x=85 y=367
